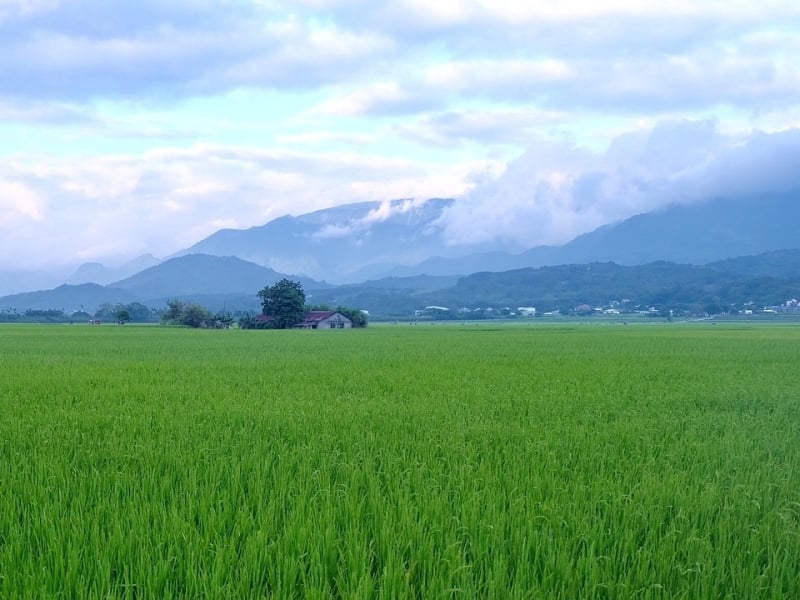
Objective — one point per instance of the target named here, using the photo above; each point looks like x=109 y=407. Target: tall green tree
x=172 y=314
x=284 y=302
x=123 y=315
x=139 y=312
x=195 y=315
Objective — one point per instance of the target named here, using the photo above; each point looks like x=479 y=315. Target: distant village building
x=431 y=311
x=325 y=319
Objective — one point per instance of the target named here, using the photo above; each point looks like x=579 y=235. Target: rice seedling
x=395 y=462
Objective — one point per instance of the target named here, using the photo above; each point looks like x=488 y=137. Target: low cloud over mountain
x=555 y=192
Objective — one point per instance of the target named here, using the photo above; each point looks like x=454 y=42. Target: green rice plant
x=398 y=461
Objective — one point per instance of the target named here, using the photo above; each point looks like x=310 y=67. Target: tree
x=189 y=314
x=139 y=313
x=310 y=307
x=247 y=322
x=284 y=302
x=106 y=311
x=172 y=315
x=358 y=317
x=223 y=320
x=123 y=316
x=195 y=315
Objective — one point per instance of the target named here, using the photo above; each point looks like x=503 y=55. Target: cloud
x=15 y=9
x=18 y=203
x=555 y=192
x=88 y=49
x=332 y=232
x=139 y=127
x=377 y=99
x=401 y=57
x=68 y=210
x=386 y=210
x=362 y=225
x=44 y=113
x=482 y=126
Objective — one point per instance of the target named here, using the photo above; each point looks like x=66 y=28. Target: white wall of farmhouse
x=335 y=321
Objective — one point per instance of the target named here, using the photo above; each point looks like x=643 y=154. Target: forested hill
x=767 y=279
x=780 y=263
x=764 y=280
x=657 y=284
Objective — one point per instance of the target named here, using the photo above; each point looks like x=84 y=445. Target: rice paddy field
x=400 y=462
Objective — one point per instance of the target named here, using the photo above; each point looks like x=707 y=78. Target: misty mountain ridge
x=95 y=272
x=371 y=240
x=772 y=277
x=213 y=280
x=19 y=282
x=197 y=274
x=344 y=244
x=691 y=234
x=769 y=278
x=67 y=297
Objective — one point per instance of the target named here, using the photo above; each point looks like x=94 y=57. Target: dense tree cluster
x=135 y=312
x=191 y=314
x=11 y=315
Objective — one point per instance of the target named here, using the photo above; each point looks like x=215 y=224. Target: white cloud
x=554 y=192
x=168 y=51
x=486 y=126
x=408 y=57
x=383 y=212
x=24 y=8
x=387 y=209
x=51 y=113
x=70 y=210
x=334 y=231
x=474 y=74
x=376 y=99
x=18 y=203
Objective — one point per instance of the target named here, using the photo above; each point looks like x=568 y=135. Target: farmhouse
x=325 y=319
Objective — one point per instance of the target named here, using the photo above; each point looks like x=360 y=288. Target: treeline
x=32 y=315
x=134 y=312
x=191 y=314
x=283 y=306
x=687 y=288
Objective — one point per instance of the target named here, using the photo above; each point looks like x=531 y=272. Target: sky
x=130 y=128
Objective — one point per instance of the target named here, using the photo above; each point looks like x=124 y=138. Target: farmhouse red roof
x=314 y=316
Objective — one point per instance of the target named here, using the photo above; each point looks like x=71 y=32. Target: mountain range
x=341 y=244
x=94 y=272
x=353 y=243
x=766 y=279
x=381 y=251
x=693 y=234
x=217 y=282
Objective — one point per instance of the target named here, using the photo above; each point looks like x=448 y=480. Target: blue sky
x=128 y=128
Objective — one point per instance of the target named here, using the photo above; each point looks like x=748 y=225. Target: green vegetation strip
x=394 y=462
